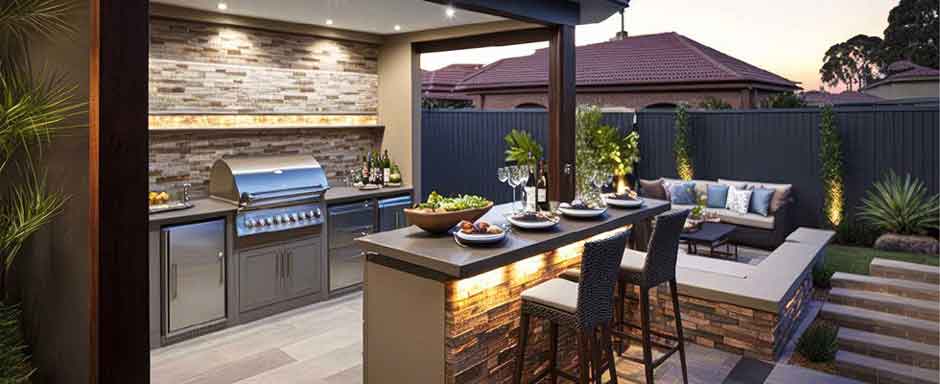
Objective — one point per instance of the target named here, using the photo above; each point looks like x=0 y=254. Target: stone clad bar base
x=482 y=320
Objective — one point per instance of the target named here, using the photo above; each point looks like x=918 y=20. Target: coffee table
x=714 y=236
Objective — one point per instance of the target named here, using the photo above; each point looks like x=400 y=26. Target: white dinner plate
x=568 y=211
x=624 y=203
x=480 y=238
x=532 y=224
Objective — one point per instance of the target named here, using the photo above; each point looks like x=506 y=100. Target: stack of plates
x=623 y=203
x=532 y=224
x=567 y=210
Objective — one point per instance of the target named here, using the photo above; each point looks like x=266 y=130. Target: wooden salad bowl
x=441 y=222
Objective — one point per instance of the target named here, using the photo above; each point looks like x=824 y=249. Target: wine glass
x=502 y=173
x=512 y=172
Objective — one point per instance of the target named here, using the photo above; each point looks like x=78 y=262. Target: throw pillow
x=682 y=193
x=653 y=189
x=738 y=199
x=760 y=201
x=717 y=196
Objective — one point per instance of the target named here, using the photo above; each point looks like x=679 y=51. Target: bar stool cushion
x=559 y=294
x=632 y=265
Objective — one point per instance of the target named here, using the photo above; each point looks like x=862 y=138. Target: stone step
x=880 y=371
x=889 y=348
x=883 y=302
x=905 y=271
x=921 y=331
x=906 y=288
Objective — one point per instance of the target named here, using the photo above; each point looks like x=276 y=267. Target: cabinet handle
x=277 y=265
x=174 y=282
x=221 y=267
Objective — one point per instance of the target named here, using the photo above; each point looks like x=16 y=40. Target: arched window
x=530 y=106
x=661 y=106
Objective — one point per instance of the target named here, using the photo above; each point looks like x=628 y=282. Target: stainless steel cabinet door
x=195 y=274
x=260 y=277
x=346 y=266
x=303 y=269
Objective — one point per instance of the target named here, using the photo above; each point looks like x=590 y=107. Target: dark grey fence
x=461 y=150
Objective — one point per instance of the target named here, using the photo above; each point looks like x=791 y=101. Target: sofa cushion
x=653 y=189
x=738 y=199
x=717 y=196
x=760 y=200
x=682 y=193
x=781 y=191
x=734 y=183
x=752 y=220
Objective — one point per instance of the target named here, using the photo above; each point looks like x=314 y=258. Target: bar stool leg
x=611 y=364
x=553 y=353
x=645 y=325
x=520 y=348
x=584 y=354
x=673 y=287
x=618 y=317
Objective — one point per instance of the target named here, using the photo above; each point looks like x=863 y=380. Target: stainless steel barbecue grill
x=273 y=193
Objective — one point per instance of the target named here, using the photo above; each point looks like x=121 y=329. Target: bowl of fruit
x=439 y=214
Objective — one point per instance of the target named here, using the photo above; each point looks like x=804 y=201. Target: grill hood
x=268 y=180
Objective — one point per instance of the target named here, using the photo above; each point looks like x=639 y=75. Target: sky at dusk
x=788 y=38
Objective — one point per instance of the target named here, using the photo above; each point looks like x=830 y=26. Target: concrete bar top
x=442 y=256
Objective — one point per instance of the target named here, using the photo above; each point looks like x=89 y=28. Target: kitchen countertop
x=208 y=208
x=442 y=257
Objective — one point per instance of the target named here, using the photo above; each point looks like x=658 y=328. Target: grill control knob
x=267 y=221
x=294 y=217
x=310 y=214
x=249 y=223
x=317 y=213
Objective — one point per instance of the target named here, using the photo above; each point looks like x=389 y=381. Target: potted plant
x=903 y=211
x=600 y=149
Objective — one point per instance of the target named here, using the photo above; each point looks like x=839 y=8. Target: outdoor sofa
x=752 y=229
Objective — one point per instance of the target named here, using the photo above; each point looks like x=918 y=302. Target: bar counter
x=436 y=312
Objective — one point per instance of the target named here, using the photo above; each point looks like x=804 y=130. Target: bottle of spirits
x=541 y=188
x=366 y=177
x=530 y=192
x=386 y=168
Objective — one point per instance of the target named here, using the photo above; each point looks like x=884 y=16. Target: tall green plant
x=522 y=148
x=682 y=148
x=830 y=156
x=901 y=206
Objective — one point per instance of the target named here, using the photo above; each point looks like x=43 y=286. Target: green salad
x=438 y=203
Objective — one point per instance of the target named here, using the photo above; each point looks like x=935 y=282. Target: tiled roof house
x=635 y=72
x=439 y=84
x=906 y=80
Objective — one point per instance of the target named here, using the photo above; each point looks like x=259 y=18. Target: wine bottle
x=530 y=192
x=366 y=170
x=541 y=188
x=376 y=169
x=386 y=167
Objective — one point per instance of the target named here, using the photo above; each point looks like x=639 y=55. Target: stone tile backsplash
x=179 y=157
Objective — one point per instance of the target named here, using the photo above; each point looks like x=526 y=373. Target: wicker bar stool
x=586 y=307
x=648 y=270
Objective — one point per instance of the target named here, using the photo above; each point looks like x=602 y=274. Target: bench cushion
x=560 y=294
x=746 y=219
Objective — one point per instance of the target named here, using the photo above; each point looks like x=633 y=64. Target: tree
x=712 y=102
x=913 y=33
x=854 y=62
x=783 y=100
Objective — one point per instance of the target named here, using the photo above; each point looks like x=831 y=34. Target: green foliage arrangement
x=900 y=205
x=600 y=147
x=830 y=156
x=855 y=232
x=819 y=343
x=522 y=148
x=14 y=362
x=783 y=100
x=712 y=102
x=682 y=148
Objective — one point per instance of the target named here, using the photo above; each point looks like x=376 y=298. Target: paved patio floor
x=322 y=344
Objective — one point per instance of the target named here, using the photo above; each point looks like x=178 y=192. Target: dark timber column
x=561 y=113
x=118 y=215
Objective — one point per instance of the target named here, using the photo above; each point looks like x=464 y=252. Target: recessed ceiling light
x=397 y=27
x=329 y=21
x=450 y=12
x=222 y=6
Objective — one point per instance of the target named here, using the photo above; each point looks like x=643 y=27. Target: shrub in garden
x=819 y=344
x=900 y=205
x=822 y=276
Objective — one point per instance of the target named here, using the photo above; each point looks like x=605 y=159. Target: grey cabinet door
x=260 y=281
x=304 y=276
